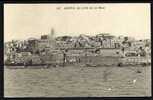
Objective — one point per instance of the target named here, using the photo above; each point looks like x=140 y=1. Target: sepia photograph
x=77 y=50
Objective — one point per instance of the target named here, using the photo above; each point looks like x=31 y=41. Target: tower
x=51 y=39
x=52 y=33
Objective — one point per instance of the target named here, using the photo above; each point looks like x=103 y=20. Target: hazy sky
x=22 y=21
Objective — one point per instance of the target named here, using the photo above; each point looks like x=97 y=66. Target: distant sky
x=22 y=21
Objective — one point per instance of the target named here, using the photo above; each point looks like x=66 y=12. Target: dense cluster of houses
x=105 y=41
x=81 y=41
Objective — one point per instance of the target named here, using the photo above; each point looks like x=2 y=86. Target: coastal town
x=101 y=49
x=77 y=50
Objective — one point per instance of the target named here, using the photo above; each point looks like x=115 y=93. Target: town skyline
x=87 y=34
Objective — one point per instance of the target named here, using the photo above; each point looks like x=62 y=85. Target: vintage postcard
x=77 y=50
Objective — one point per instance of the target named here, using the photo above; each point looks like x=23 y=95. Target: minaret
x=51 y=39
x=52 y=33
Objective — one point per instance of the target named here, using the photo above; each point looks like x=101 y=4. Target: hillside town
x=62 y=49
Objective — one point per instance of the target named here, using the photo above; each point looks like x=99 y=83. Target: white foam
x=134 y=81
x=109 y=89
